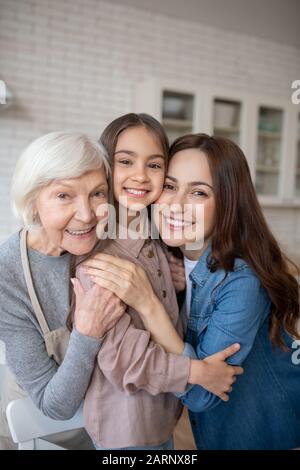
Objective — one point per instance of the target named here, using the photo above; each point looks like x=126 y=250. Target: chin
x=137 y=206
x=174 y=243
x=80 y=249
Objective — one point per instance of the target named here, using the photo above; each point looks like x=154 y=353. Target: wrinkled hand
x=97 y=310
x=123 y=278
x=177 y=272
x=214 y=374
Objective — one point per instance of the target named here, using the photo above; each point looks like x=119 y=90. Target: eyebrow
x=192 y=183
x=134 y=154
x=69 y=185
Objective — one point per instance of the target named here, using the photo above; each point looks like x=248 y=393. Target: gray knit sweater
x=57 y=391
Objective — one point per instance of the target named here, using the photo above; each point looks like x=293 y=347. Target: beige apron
x=56 y=344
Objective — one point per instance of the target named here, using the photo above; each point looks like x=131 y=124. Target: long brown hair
x=109 y=140
x=241 y=230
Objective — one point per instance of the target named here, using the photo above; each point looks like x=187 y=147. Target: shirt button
x=150 y=254
x=159 y=272
x=164 y=294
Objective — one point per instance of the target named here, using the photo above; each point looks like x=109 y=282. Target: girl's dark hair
x=109 y=139
x=241 y=230
x=109 y=136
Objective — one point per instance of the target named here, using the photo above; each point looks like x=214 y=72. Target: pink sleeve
x=132 y=362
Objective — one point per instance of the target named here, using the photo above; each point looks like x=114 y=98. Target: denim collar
x=201 y=272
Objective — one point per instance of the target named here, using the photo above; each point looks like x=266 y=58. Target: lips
x=177 y=224
x=135 y=192
x=81 y=233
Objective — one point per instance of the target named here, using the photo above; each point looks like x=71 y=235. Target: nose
x=179 y=204
x=177 y=200
x=174 y=206
x=140 y=175
x=84 y=211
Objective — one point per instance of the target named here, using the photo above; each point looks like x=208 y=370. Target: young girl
x=238 y=288
x=127 y=404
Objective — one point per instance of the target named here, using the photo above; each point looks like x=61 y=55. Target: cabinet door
x=269 y=150
x=176 y=105
x=177 y=113
x=227 y=119
x=226 y=115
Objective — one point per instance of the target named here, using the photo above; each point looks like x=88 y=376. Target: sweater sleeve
x=132 y=362
x=56 y=391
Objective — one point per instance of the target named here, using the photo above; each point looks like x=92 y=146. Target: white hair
x=58 y=155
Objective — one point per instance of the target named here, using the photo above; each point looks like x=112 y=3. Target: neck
x=194 y=255
x=39 y=241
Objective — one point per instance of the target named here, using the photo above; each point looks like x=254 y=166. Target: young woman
x=127 y=404
x=238 y=288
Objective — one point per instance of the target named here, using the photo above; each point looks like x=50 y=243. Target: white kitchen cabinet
x=267 y=129
x=227 y=119
x=224 y=114
x=175 y=105
x=271 y=148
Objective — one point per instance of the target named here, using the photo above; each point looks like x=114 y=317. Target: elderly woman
x=59 y=182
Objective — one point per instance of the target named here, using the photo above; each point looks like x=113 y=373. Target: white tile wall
x=74 y=64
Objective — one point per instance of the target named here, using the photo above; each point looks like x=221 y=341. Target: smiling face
x=189 y=200
x=139 y=168
x=67 y=212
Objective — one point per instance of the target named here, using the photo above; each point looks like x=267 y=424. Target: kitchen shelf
x=269 y=153
x=177 y=123
x=267 y=169
x=227 y=130
x=269 y=135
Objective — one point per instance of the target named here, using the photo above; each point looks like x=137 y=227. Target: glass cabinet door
x=297 y=188
x=227 y=119
x=268 y=155
x=177 y=113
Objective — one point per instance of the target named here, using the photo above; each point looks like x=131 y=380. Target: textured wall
x=75 y=65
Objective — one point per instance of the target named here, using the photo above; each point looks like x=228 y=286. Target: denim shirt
x=263 y=411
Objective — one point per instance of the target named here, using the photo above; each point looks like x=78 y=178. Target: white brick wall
x=74 y=64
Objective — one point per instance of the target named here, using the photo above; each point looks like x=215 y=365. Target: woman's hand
x=214 y=374
x=123 y=278
x=97 y=310
x=177 y=272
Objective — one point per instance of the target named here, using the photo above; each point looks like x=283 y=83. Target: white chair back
x=28 y=425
